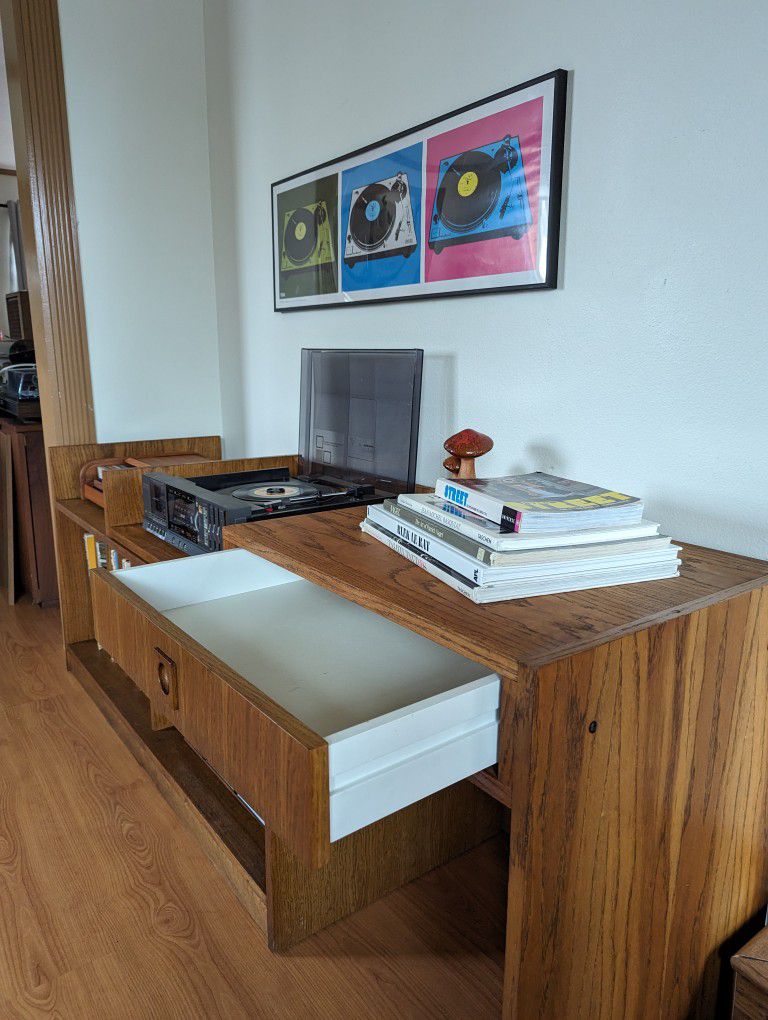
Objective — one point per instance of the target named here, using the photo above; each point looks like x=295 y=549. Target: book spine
x=492 y=509
x=511 y=520
x=90 y=551
x=445 y=518
x=444 y=534
x=428 y=564
x=426 y=544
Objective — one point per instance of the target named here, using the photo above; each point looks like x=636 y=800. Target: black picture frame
x=311 y=211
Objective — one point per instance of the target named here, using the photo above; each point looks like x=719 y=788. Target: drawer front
x=142 y=650
x=284 y=783
x=267 y=755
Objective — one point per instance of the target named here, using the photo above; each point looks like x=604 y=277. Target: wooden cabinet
x=632 y=754
x=32 y=511
x=750 y=992
x=322 y=715
x=622 y=729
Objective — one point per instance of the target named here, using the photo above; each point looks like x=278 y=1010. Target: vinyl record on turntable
x=277 y=492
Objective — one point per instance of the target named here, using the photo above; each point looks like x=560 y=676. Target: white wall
x=647 y=370
x=9 y=189
x=7 y=155
x=135 y=84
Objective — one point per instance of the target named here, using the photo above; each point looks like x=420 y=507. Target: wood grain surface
x=639 y=837
x=330 y=550
x=90 y=518
x=270 y=757
x=111 y=909
x=141 y=546
x=230 y=836
x=750 y=994
x=65 y=462
x=48 y=217
x=122 y=489
x=371 y=862
x=74 y=515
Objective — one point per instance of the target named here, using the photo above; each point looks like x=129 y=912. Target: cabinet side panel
x=640 y=834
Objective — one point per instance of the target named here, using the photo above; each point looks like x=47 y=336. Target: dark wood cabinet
x=33 y=530
x=750 y=993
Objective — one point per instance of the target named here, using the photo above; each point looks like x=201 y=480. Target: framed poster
x=466 y=203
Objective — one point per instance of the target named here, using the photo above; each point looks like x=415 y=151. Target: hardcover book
x=525 y=564
x=540 y=502
x=525 y=588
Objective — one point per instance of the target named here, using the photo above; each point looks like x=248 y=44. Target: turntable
x=307 y=240
x=359 y=423
x=19 y=391
x=380 y=221
x=481 y=193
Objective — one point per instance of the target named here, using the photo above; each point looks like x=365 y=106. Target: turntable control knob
x=466 y=446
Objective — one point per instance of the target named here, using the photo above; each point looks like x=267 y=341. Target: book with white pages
x=528 y=588
x=538 y=501
x=481 y=530
x=532 y=562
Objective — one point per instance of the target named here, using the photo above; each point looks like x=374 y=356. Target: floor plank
x=109 y=909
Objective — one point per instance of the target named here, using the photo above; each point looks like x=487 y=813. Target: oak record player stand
x=632 y=763
x=286 y=898
x=631 y=753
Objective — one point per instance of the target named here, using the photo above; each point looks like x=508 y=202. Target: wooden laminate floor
x=109 y=909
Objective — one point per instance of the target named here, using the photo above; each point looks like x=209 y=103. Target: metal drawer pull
x=167 y=677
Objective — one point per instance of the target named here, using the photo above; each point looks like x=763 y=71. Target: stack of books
x=494 y=539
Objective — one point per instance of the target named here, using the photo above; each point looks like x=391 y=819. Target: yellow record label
x=467 y=183
x=300 y=231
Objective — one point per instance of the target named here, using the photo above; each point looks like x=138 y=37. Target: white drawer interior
x=403 y=716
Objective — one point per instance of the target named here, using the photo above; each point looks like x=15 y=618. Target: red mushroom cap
x=452 y=464
x=468 y=443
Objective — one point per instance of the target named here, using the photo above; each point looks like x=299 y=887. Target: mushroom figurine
x=464 y=447
x=452 y=465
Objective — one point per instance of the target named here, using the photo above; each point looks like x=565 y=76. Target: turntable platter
x=292 y=491
x=300 y=236
x=469 y=190
x=373 y=216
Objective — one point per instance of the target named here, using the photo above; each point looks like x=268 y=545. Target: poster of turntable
x=469 y=202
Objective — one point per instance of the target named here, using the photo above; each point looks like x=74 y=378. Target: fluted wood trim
x=49 y=222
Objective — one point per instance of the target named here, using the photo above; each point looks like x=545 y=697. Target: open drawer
x=319 y=713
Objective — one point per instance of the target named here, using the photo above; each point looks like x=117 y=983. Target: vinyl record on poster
x=372 y=216
x=300 y=236
x=469 y=190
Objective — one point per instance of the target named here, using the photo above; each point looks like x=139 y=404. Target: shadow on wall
x=542 y=456
x=438 y=412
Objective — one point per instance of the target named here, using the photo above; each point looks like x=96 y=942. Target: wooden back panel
x=65 y=462
x=122 y=489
